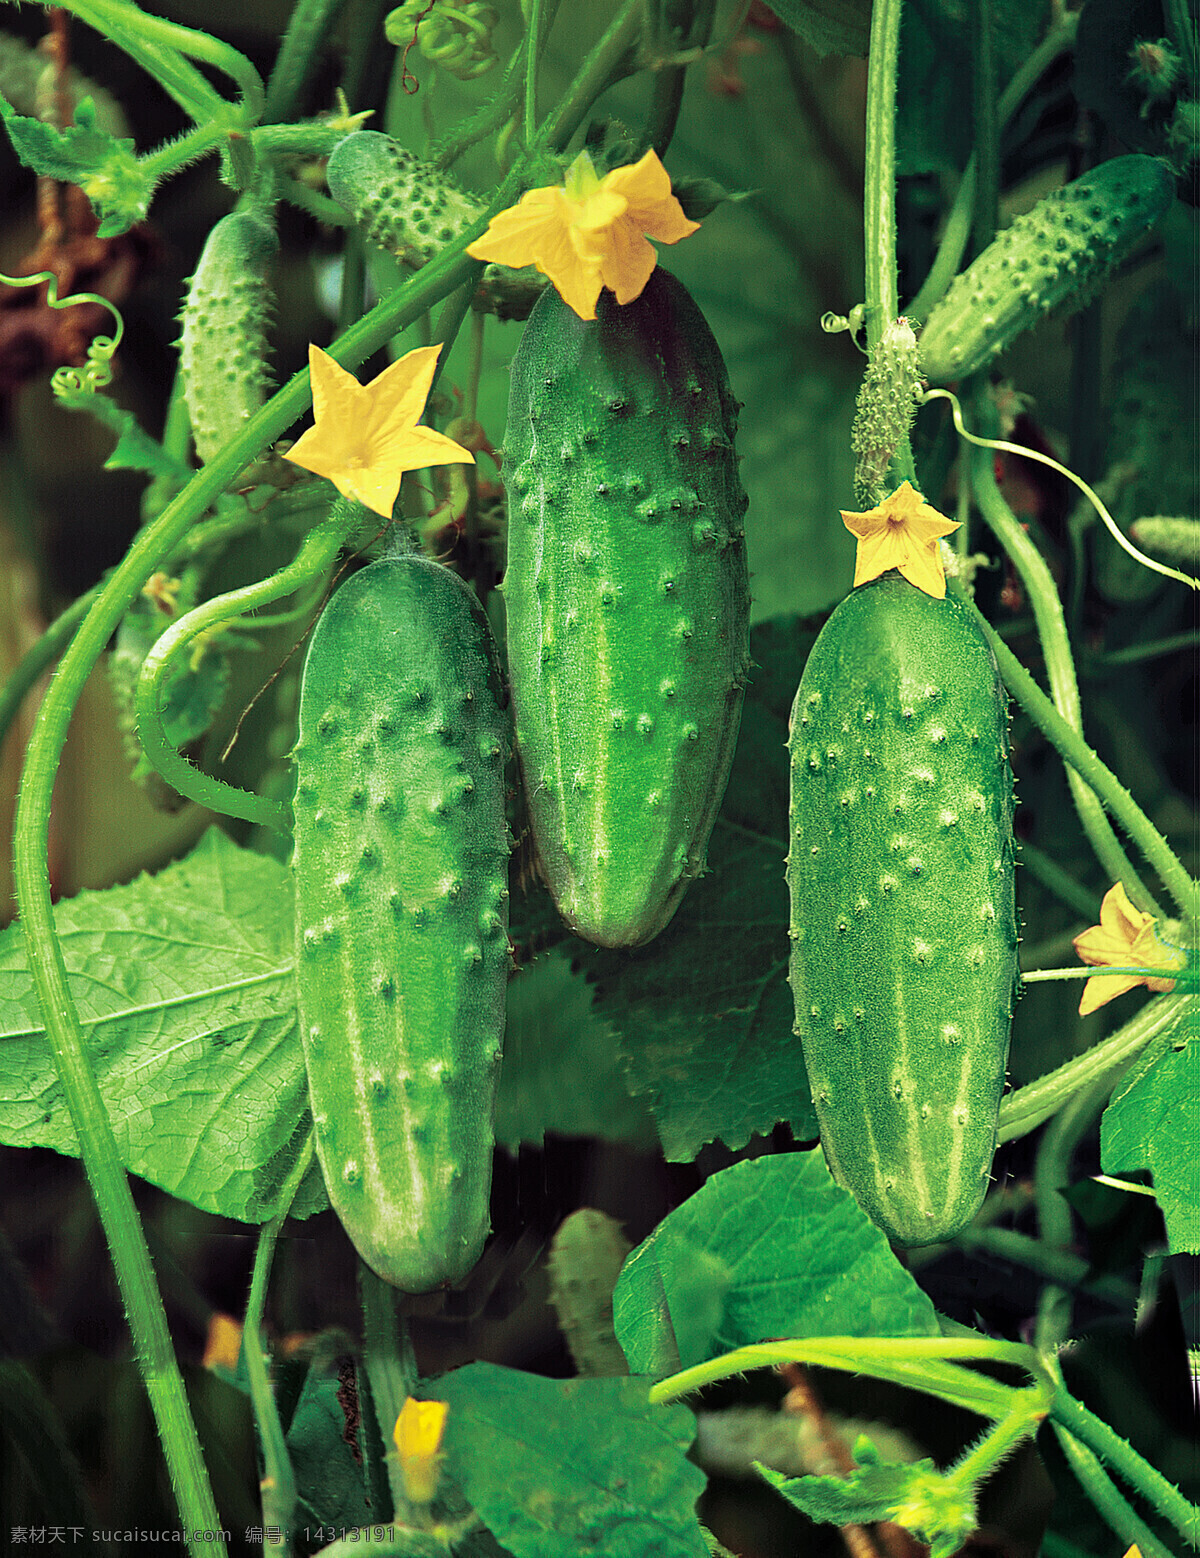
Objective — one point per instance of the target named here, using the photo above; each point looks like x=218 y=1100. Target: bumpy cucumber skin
x=414 y=210
x=903 y=920
x=223 y=345
x=402 y=956
x=1056 y=255
x=627 y=601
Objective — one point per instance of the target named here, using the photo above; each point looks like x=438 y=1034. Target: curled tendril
x=455 y=35
x=97 y=371
x=1044 y=459
x=854 y=322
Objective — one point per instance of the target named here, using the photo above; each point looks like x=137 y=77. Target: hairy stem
x=1026 y=1108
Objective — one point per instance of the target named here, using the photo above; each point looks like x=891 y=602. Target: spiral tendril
x=97 y=372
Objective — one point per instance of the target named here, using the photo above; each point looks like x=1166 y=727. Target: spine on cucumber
x=903 y=921
x=402 y=957
x=1055 y=256
x=627 y=600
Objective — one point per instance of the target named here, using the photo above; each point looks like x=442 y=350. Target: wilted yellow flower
x=365 y=436
x=901 y=533
x=590 y=232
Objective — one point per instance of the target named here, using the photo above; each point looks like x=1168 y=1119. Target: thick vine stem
x=922 y=1362
x=312 y=562
x=1026 y=1108
x=1144 y=1479
x=1110 y=1502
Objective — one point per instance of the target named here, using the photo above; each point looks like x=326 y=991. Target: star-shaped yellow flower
x=418 y=1439
x=1125 y=936
x=365 y=436
x=901 y=533
x=590 y=232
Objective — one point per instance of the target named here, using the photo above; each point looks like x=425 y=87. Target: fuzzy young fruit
x=402 y=957
x=627 y=600
x=903 y=921
x=223 y=345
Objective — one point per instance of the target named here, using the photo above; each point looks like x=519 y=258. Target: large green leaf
x=935 y=129
x=558 y=1466
x=704 y=1012
x=828 y=26
x=184 y=986
x=770 y=1247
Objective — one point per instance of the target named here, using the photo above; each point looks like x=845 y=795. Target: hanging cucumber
x=903 y=921
x=1055 y=256
x=627 y=600
x=402 y=957
x=222 y=345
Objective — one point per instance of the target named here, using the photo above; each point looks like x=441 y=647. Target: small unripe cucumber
x=402 y=958
x=903 y=921
x=413 y=210
x=223 y=344
x=1055 y=256
x=627 y=600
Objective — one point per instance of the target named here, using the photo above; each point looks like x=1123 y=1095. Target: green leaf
x=704 y=1012
x=104 y=167
x=561 y=1070
x=1146 y=1127
x=916 y=1496
x=934 y=131
x=331 y=1482
x=787 y=1253
x=554 y=1466
x=828 y=26
x=184 y=986
x=134 y=450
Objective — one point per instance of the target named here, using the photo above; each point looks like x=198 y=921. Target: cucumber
x=400 y=866
x=903 y=922
x=413 y=210
x=223 y=345
x=1056 y=255
x=627 y=600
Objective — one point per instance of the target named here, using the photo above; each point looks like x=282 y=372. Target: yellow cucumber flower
x=418 y=1438
x=590 y=232
x=1125 y=936
x=901 y=533
x=365 y=436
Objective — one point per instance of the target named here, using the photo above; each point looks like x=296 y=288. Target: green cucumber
x=223 y=345
x=627 y=600
x=1056 y=255
x=903 y=922
x=413 y=210
x=402 y=959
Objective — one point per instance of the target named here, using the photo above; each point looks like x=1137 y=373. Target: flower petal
x=629 y=262
x=646 y=185
x=519 y=235
x=924 y=569
x=877 y=552
x=1100 y=991
x=336 y=393
x=375 y=489
x=398 y=394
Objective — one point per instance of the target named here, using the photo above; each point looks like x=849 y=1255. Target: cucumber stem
x=278 y=1484
x=1026 y=1108
x=1105 y=1443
